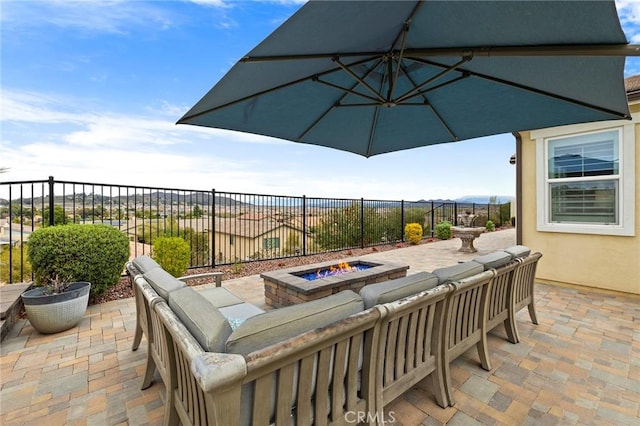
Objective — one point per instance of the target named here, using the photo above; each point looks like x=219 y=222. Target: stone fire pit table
x=467 y=235
x=286 y=287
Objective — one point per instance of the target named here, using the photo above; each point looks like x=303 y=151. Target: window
x=583 y=176
x=585 y=179
x=271 y=243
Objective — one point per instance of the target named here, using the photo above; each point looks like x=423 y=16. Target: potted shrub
x=70 y=263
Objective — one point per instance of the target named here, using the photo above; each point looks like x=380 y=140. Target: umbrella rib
x=411 y=93
x=407 y=23
x=358 y=79
x=432 y=108
x=444 y=123
x=266 y=91
x=530 y=89
x=372 y=133
x=401 y=36
x=437 y=86
x=347 y=91
x=376 y=112
x=393 y=80
x=337 y=103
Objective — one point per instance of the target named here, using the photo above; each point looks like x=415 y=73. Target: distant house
x=579 y=189
x=252 y=237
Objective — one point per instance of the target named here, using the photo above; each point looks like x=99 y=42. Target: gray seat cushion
x=163 y=282
x=203 y=320
x=458 y=272
x=275 y=326
x=237 y=314
x=220 y=297
x=144 y=263
x=518 y=251
x=493 y=260
x=388 y=291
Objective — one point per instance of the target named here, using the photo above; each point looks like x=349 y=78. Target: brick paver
x=579 y=366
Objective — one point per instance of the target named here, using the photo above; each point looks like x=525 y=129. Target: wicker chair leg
x=511 y=331
x=513 y=326
x=137 y=337
x=446 y=377
x=438 y=386
x=483 y=352
x=149 y=372
x=170 y=414
x=532 y=312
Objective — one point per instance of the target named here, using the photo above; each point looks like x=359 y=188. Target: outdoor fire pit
x=299 y=284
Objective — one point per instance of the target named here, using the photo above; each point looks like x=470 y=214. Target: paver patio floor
x=580 y=365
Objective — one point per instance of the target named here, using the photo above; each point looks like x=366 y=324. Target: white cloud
x=105 y=16
x=629 y=15
x=45 y=135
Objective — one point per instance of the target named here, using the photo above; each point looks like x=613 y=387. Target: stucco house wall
x=609 y=262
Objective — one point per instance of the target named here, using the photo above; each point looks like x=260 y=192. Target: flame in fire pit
x=340 y=268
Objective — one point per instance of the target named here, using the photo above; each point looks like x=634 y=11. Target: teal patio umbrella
x=372 y=77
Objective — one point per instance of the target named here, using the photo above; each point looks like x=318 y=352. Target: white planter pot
x=52 y=313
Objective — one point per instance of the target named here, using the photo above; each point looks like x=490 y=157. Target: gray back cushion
x=388 y=291
x=163 y=282
x=518 y=251
x=203 y=320
x=144 y=263
x=275 y=326
x=458 y=272
x=493 y=260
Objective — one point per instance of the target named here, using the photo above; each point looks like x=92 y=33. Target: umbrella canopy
x=372 y=77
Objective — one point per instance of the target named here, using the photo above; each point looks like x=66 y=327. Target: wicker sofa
x=227 y=362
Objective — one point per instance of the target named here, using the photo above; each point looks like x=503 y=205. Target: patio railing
x=221 y=227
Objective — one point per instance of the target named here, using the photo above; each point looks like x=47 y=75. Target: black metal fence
x=221 y=227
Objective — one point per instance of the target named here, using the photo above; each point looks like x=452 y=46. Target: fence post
x=433 y=220
x=213 y=228
x=51 y=203
x=402 y=219
x=455 y=213
x=361 y=222
x=304 y=225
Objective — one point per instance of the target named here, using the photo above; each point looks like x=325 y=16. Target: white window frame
x=626 y=182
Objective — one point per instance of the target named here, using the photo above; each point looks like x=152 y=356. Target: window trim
x=626 y=179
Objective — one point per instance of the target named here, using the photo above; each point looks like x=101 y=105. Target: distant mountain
x=153 y=198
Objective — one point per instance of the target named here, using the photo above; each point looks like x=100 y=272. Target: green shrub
x=490 y=226
x=413 y=232
x=95 y=253
x=443 y=230
x=173 y=254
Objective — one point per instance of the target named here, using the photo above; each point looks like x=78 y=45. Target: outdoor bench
x=224 y=361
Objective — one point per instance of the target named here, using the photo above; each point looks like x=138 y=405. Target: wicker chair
x=500 y=300
x=465 y=323
x=319 y=377
x=523 y=291
x=159 y=357
x=409 y=346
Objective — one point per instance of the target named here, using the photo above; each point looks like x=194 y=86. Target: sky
x=90 y=91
